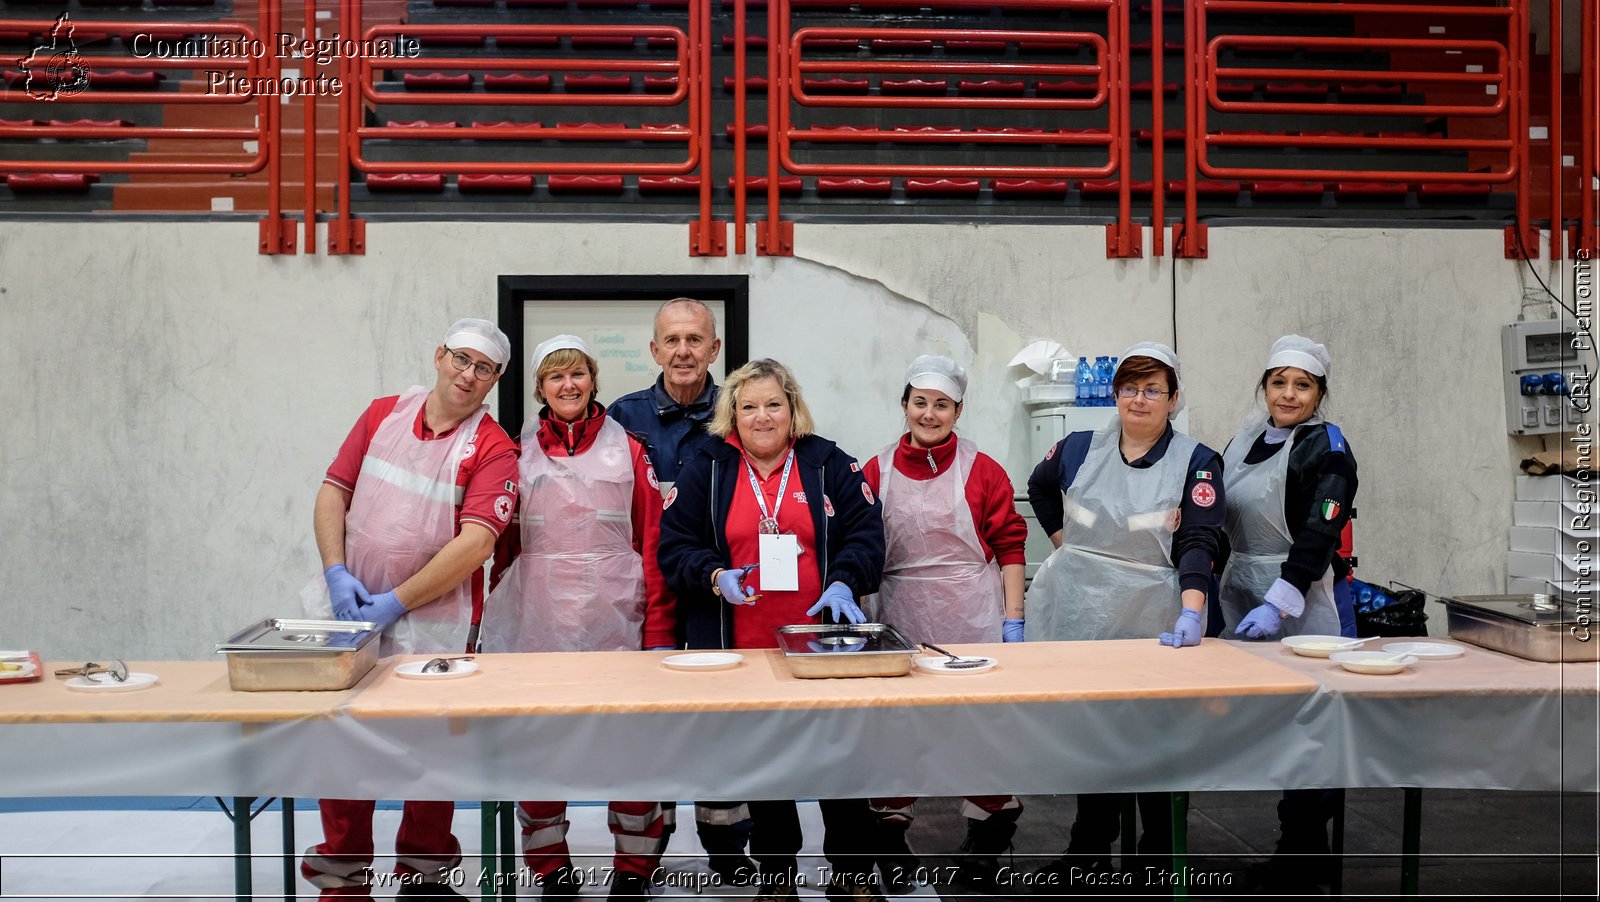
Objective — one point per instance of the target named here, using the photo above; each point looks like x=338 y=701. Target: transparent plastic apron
x=1113 y=576
x=578 y=585
x=938 y=585
x=1260 y=538
x=402 y=513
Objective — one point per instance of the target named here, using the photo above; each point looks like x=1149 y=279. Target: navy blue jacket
x=670 y=431
x=1196 y=544
x=693 y=531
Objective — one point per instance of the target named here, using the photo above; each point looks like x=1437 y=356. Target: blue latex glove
x=1261 y=622
x=1286 y=598
x=382 y=609
x=840 y=602
x=1013 y=629
x=662 y=648
x=1187 y=631
x=731 y=584
x=342 y=589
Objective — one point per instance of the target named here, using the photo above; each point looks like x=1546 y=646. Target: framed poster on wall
x=615 y=315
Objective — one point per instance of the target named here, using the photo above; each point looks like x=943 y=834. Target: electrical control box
x=1544 y=372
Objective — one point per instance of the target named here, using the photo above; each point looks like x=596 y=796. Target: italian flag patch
x=511 y=486
x=1202 y=474
x=1330 y=509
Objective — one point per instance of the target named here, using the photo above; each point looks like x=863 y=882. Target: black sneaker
x=629 y=886
x=427 y=891
x=561 y=885
x=851 y=889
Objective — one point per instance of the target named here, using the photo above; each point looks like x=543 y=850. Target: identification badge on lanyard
x=780 y=563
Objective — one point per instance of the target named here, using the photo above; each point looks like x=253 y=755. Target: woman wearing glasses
x=774 y=491
x=578 y=573
x=1135 y=510
x=1291 y=481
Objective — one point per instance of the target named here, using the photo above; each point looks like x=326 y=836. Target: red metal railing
x=1501 y=78
x=255 y=68
x=789 y=68
x=1589 y=162
x=687 y=69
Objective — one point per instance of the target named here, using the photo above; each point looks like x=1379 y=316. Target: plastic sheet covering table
x=1485 y=720
x=1054 y=717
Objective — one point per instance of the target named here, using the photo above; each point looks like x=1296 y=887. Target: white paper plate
x=703 y=660
x=1425 y=649
x=412 y=670
x=134 y=681
x=1370 y=661
x=28 y=670
x=941 y=664
x=1318 y=646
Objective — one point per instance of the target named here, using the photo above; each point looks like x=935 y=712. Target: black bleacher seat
x=669 y=184
x=417 y=182
x=1051 y=188
x=788 y=185
x=437 y=81
x=516 y=81
x=1285 y=190
x=843 y=186
x=942 y=187
x=472 y=183
x=585 y=184
x=50 y=182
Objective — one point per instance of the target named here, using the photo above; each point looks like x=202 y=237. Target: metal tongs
x=116 y=669
x=442 y=665
x=956 y=662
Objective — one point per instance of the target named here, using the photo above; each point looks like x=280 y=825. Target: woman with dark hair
x=1135 y=510
x=736 y=499
x=1291 y=482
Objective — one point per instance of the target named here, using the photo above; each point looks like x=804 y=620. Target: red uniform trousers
x=637 y=827
x=341 y=864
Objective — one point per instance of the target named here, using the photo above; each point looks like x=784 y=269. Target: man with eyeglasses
x=406 y=516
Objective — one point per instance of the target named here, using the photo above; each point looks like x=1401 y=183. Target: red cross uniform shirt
x=756 y=625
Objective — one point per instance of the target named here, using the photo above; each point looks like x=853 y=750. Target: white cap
x=556 y=343
x=1299 y=351
x=938 y=373
x=1156 y=351
x=481 y=336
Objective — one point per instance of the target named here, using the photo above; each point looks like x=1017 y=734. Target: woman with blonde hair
x=773 y=485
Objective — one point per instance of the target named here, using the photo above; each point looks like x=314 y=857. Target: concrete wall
x=172 y=398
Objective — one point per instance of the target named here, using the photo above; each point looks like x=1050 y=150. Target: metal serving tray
x=820 y=650
x=278 y=654
x=1536 y=627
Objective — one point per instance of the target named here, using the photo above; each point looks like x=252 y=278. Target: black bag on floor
x=1381 y=612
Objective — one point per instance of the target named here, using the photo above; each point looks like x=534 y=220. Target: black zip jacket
x=694 y=523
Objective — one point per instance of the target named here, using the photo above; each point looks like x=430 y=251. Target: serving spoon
x=442 y=665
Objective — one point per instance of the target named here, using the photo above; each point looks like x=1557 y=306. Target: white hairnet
x=938 y=373
x=1156 y=351
x=557 y=343
x=481 y=336
x=1299 y=351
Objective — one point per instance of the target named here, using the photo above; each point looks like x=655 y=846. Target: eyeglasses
x=117 y=670
x=483 y=372
x=1128 y=392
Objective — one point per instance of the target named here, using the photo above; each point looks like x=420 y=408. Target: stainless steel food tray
x=820 y=650
x=1536 y=627
x=279 y=654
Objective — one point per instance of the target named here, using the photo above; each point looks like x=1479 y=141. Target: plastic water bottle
x=1085 y=383
x=1111 y=376
x=1102 y=381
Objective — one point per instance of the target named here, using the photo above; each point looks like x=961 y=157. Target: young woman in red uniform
x=578 y=573
x=953 y=572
